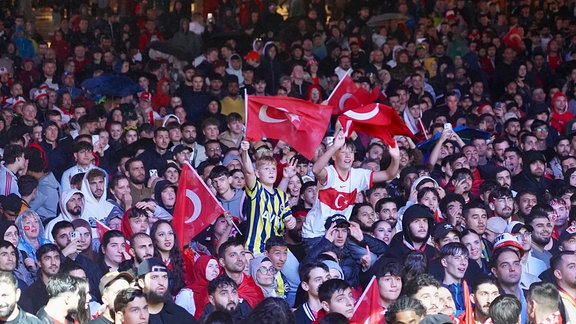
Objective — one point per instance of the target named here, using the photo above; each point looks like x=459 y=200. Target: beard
x=8 y=311
x=226 y=309
x=295 y=235
x=156 y=298
x=215 y=159
x=137 y=181
x=540 y=241
x=75 y=211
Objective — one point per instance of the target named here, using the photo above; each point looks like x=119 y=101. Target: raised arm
x=247 y=167
x=390 y=173
x=322 y=162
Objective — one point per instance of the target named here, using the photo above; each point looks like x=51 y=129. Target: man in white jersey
x=338 y=184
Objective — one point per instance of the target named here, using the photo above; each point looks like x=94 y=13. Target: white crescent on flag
x=263 y=115
x=343 y=99
x=197 y=205
x=362 y=116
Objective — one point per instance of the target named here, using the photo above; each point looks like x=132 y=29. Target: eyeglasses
x=541 y=130
x=270 y=270
x=212 y=149
x=524 y=235
x=263 y=150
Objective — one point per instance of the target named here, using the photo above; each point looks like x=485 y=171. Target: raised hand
x=356 y=232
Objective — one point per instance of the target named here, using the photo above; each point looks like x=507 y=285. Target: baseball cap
x=443 y=229
x=252 y=55
x=567 y=234
x=146 y=96
x=151 y=265
x=507 y=240
x=180 y=148
x=67 y=74
x=110 y=277
x=515 y=227
x=260 y=144
x=229 y=158
x=39 y=94
x=450 y=14
x=339 y=219
x=496 y=225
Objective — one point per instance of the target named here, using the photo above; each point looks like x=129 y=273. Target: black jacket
x=34 y=297
x=174 y=314
x=24 y=318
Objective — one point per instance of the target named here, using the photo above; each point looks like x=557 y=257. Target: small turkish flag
x=376 y=120
x=196 y=207
x=102 y=229
x=368 y=309
x=347 y=95
x=299 y=123
x=514 y=38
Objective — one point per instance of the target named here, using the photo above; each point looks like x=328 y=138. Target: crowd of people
x=469 y=220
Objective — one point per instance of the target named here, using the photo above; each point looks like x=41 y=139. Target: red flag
x=196 y=207
x=299 y=123
x=102 y=228
x=468 y=309
x=514 y=38
x=376 y=120
x=368 y=308
x=347 y=95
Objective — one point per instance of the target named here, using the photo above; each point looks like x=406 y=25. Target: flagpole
x=336 y=87
x=363 y=294
x=245 y=111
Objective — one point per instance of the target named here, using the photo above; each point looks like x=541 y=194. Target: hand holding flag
x=368 y=309
x=196 y=207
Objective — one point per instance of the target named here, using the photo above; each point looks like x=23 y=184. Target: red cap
x=146 y=96
x=39 y=94
x=252 y=55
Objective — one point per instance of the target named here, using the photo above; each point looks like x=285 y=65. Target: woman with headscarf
x=83 y=227
x=194 y=297
x=9 y=232
x=264 y=274
x=31 y=233
x=162 y=97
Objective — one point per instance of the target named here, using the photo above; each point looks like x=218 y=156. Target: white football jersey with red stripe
x=336 y=196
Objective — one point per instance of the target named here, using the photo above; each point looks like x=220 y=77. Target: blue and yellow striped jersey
x=266 y=216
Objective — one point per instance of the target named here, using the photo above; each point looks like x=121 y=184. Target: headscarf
x=4 y=226
x=200 y=285
x=88 y=253
x=160 y=99
x=125 y=227
x=269 y=291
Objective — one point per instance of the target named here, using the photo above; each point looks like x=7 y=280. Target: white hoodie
x=64 y=214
